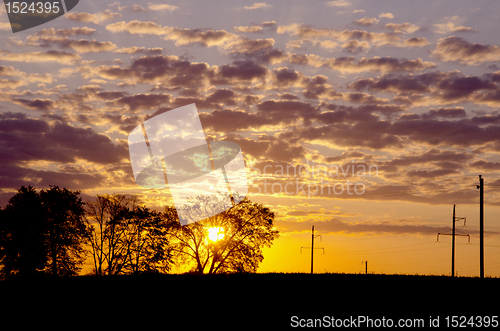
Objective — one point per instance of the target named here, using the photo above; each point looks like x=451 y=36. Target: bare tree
x=147 y=243
x=125 y=237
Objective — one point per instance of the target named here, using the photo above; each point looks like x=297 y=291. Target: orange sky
x=407 y=96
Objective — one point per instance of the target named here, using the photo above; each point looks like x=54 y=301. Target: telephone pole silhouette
x=481 y=227
x=366 y=266
x=453 y=234
x=312 y=248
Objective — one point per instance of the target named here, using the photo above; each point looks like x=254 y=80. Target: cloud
x=307 y=33
x=24 y=78
x=64 y=148
x=335 y=225
x=449 y=26
x=248 y=29
x=257 y=5
x=206 y=37
x=486 y=165
x=139 y=50
x=48 y=37
x=34 y=57
x=456 y=112
x=367 y=21
x=269 y=24
x=401 y=28
x=143 y=101
x=416 y=42
x=134 y=8
x=137 y=27
x=247 y=46
x=327 y=44
x=173 y=72
x=225 y=120
x=355 y=46
x=432 y=157
x=386 y=15
x=440 y=87
x=10 y=83
x=27 y=139
x=36 y=104
x=339 y=3
x=352 y=65
x=87 y=46
x=74 y=31
x=458 y=49
x=240 y=71
x=97 y=18
x=161 y=7
x=463 y=133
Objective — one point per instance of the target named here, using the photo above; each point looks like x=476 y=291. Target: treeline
x=53 y=232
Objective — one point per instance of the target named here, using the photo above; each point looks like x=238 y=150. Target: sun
x=215 y=233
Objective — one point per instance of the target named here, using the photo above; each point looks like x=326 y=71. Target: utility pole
x=481 y=226
x=366 y=267
x=312 y=248
x=453 y=234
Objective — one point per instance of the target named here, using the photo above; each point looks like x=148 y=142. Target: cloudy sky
x=369 y=120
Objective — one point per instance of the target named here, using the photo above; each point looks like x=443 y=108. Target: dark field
x=246 y=301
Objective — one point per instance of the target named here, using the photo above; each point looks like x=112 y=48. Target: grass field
x=244 y=300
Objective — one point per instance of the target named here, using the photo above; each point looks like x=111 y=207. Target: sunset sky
x=366 y=119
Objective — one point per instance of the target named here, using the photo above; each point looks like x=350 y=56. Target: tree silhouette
x=43 y=233
x=243 y=230
x=125 y=237
x=22 y=245
x=66 y=232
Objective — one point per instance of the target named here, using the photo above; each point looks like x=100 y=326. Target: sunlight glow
x=215 y=233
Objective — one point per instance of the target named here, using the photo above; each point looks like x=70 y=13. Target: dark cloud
x=143 y=101
x=461 y=133
x=429 y=174
x=460 y=50
x=369 y=134
x=353 y=65
x=456 y=112
x=442 y=87
x=25 y=139
x=240 y=71
x=13 y=177
x=247 y=46
x=433 y=156
x=169 y=70
x=35 y=57
x=225 y=120
x=416 y=42
x=454 y=88
x=35 y=104
x=486 y=165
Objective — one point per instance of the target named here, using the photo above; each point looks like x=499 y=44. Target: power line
x=453 y=234
x=312 y=248
x=372 y=251
x=481 y=226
